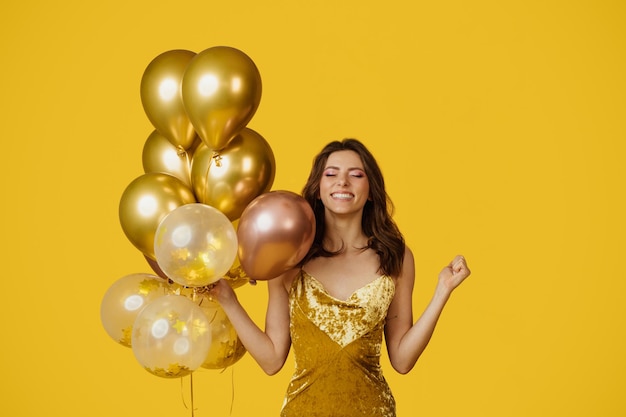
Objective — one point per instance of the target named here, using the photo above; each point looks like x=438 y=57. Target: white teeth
x=342 y=195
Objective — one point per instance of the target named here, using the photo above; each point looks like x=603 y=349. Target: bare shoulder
x=408 y=256
x=407 y=275
x=285 y=280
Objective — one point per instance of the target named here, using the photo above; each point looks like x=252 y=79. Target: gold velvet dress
x=337 y=345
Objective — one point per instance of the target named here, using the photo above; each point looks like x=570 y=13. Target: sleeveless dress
x=337 y=346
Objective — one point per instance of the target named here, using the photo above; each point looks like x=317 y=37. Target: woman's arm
x=270 y=347
x=407 y=340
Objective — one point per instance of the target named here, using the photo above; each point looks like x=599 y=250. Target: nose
x=342 y=179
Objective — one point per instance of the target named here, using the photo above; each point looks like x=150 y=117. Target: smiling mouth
x=342 y=196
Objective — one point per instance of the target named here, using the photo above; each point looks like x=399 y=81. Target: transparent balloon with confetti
x=125 y=299
x=195 y=245
x=171 y=336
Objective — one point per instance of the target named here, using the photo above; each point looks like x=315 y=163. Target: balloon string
x=183 y=395
x=218 y=163
x=183 y=153
x=191 y=389
x=232 y=388
x=192 y=407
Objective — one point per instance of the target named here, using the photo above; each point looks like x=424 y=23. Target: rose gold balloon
x=162 y=100
x=221 y=91
x=275 y=232
x=231 y=178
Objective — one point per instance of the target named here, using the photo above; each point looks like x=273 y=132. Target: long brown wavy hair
x=383 y=234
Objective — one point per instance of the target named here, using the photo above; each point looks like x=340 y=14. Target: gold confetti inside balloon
x=171 y=336
x=195 y=245
x=123 y=301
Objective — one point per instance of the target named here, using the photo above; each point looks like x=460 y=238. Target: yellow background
x=500 y=127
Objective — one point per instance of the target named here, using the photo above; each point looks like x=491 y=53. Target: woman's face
x=344 y=187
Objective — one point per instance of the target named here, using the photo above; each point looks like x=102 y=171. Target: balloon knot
x=218 y=159
x=181 y=151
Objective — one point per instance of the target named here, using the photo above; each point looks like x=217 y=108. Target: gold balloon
x=155 y=267
x=221 y=91
x=226 y=347
x=275 y=232
x=159 y=155
x=231 y=178
x=162 y=99
x=145 y=202
x=236 y=276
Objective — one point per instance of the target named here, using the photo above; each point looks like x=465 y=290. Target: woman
x=355 y=284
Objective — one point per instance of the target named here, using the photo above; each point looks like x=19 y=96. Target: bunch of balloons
x=202 y=211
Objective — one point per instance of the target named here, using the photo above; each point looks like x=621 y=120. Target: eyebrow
x=349 y=169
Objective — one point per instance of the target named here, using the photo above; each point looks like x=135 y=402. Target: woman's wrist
x=442 y=292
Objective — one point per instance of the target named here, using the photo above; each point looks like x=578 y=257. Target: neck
x=344 y=232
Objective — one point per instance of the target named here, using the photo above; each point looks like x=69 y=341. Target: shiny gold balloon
x=231 y=178
x=155 y=267
x=221 y=91
x=159 y=155
x=162 y=98
x=275 y=232
x=145 y=202
x=236 y=276
x=226 y=347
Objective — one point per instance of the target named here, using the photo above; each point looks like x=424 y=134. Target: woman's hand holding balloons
x=222 y=292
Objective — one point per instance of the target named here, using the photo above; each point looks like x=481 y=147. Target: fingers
x=459 y=265
x=458 y=261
